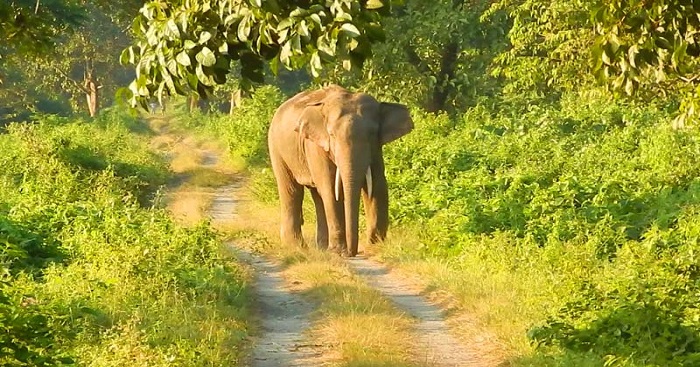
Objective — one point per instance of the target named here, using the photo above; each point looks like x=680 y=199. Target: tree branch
x=73 y=82
x=414 y=59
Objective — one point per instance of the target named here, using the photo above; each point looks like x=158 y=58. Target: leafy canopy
x=189 y=46
x=653 y=44
x=30 y=26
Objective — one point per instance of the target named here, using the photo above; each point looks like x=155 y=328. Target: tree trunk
x=438 y=101
x=91 y=89
x=236 y=97
x=194 y=103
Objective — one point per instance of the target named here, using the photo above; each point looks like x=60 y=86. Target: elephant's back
x=286 y=111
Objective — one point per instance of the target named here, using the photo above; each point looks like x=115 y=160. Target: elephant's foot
x=322 y=244
x=341 y=250
x=292 y=237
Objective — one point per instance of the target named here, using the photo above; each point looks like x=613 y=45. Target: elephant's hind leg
x=291 y=196
x=291 y=218
x=321 y=222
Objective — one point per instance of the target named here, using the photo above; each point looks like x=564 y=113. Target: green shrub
x=611 y=184
x=91 y=272
x=245 y=131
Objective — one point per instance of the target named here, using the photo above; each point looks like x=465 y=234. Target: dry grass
x=482 y=310
x=357 y=324
x=198 y=169
x=188 y=206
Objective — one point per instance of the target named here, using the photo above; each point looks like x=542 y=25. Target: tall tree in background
x=643 y=49
x=437 y=55
x=32 y=27
x=77 y=62
x=549 y=47
x=650 y=46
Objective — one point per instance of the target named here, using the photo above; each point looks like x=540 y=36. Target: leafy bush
x=608 y=183
x=245 y=131
x=91 y=273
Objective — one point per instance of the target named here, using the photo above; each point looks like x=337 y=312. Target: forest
x=550 y=187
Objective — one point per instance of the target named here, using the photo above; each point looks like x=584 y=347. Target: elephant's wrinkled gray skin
x=311 y=135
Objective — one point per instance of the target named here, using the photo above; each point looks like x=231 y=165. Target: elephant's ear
x=312 y=126
x=396 y=122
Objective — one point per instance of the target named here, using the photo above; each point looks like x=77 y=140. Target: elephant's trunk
x=352 y=184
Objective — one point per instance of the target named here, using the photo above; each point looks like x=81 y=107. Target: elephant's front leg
x=334 y=213
x=291 y=215
x=335 y=219
x=377 y=206
x=323 y=170
x=321 y=222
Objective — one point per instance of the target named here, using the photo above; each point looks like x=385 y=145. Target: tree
x=189 y=46
x=85 y=65
x=437 y=57
x=32 y=26
x=652 y=45
x=549 y=49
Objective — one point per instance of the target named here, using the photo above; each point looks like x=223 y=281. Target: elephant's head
x=351 y=128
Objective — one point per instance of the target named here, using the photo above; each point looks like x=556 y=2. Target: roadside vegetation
x=92 y=272
x=568 y=230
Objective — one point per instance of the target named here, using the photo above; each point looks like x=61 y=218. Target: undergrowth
x=91 y=273
x=571 y=230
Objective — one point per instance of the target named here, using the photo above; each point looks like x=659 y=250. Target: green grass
x=92 y=274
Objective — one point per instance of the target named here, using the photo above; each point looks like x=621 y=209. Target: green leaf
x=204 y=37
x=124 y=56
x=606 y=58
x=206 y=57
x=303 y=29
x=202 y=76
x=172 y=27
x=285 y=23
x=183 y=59
x=296 y=44
x=286 y=53
x=629 y=87
x=374 y=4
x=350 y=29
x=244 y=29
x=275 y=66
x=679 y=54
x=632 y=55
x=189 y=44
x=315 y=63
x=316 y=18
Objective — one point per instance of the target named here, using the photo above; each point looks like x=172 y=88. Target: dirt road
x=286 y=317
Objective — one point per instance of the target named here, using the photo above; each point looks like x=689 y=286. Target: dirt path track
x=437 y=347
x=285 y=316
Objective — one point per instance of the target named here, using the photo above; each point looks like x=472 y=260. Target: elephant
x=330 y=141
